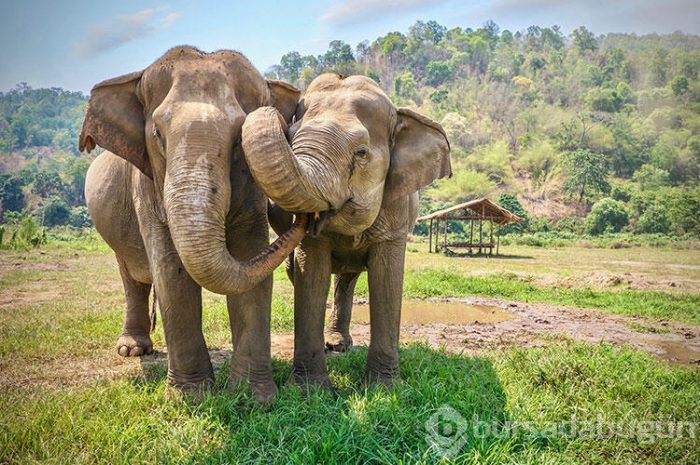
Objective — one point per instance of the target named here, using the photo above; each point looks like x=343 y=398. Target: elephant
x=357 y=161
x=173 y=196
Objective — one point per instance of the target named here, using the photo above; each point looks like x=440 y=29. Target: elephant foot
x=259 y=381
x=338 y=342
x=191 y=386
x=191 y=393
x=134 y=346
x=384 y=373
x=389 y=380
x=305 y=377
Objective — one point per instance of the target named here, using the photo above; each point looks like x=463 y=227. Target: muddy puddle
x=427 y=312
x=679 y=353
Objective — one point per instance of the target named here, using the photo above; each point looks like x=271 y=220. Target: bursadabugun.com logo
x=448 y=431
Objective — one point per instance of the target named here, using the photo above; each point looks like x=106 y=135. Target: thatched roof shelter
x=474 y=211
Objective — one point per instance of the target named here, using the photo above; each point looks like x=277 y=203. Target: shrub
x=27 y=234
x=464 y=185
x=538 y=224
x=654 y=220
x=570 y=224
x=650 y=177
x=54 y=212
x=80 y=217
x=607 y=215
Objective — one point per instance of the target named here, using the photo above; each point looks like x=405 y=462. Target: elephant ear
x=421 y=154
x=115 y=121
x=284 y=97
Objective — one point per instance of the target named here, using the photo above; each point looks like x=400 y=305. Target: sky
x=75 y=44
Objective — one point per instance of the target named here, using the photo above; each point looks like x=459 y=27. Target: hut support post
x=491 y=235
x=437 y=224
x=471 y=235
x=446 y=234
x=498 y=238
x=481 y=231
x=430 y=237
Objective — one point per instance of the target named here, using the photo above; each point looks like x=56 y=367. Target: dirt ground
x=527 y=325
x=534 y=324
x=39 y=282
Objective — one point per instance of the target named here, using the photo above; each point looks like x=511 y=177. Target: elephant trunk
x=197 y=193
x=293 y=181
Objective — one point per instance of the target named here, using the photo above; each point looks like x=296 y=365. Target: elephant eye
x=361 y=152
x=156 y=132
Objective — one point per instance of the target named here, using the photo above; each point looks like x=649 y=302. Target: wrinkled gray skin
x=352 y=151
x=174 y=198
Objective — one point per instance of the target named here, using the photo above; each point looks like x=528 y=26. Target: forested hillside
x=605 y=128
x=41 y=170
x=561 y=122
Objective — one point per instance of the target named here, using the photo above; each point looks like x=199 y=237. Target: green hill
x=561 y=122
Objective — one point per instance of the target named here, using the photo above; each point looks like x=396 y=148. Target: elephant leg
x=135 y=338
x=180 y=303
x=385 y=278
x=338 y=336
x=312 y=276
x=249 y=314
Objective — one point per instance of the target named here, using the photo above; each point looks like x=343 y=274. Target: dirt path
x=533 y=324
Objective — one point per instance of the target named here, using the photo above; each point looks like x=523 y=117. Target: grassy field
x=66 y=397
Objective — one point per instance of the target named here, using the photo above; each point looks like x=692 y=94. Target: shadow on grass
x=485 y=255
x=439 y=395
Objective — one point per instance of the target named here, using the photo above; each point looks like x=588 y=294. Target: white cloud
x=353 y=11
x=170 y=19
x=124 y=29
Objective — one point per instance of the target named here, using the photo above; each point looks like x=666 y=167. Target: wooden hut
x=481 y=214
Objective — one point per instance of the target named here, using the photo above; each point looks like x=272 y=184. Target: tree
x=75 y=175
x=11 y=194
x=650 y=177
x=659 y=66
x=430 y=32
x=437 y=72
x=291 y=65
x=439 y=96
x=79 y=217
x=405 y=85
x=655 y=219
x=55 y=212
x=607 y=215
x=511 y=203
x=338 y=56
x=47 y=183
x=605 y=100
x=584 y=40
x=587 y=171
x=679 y=85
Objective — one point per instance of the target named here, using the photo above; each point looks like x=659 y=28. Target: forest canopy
x=563 y=124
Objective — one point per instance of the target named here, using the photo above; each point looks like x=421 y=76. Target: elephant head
x=178 y=122
x=351 y=152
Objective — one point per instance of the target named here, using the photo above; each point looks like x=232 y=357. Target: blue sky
x=74 y=44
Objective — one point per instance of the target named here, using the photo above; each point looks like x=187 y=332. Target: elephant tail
x=153 y=315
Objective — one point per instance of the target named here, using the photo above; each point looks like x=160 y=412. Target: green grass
x=58 y=323
x=132 y=421
x=422 y=284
